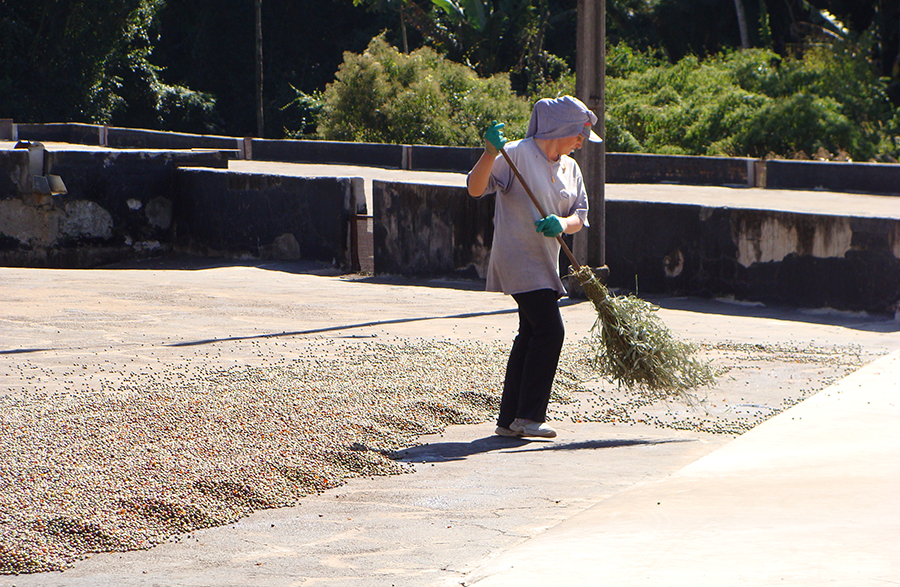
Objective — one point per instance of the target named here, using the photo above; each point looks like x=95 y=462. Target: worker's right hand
x=494 y=139
x=551 y=226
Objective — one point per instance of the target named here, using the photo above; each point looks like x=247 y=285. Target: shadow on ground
x=441 y=452
x=853 y=320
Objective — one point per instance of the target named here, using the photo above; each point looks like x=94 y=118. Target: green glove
x=551 y=226
x=494 y=139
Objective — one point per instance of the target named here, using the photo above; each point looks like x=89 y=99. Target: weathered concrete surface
x=844 y=260
x=14 y=169
x=234 y=214
x=803 y=499
x=428 y=230
x=473 y=497
x=809 y=260
x=118 y=204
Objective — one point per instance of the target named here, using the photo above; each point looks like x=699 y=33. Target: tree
x=742 y=23
x=88 y=62
x=210 y=45
x=383 y=95
x=491 y=36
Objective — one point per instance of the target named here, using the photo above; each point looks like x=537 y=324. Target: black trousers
x=533 y=359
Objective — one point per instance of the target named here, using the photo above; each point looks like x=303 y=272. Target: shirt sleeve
x=501 y=176
x=580 y=201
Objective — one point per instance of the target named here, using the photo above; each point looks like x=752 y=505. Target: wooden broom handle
x=541 y=211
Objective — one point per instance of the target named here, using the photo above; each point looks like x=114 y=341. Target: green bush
x=801 y=122
x=741 y=103
x=751 y=103
x=385 y=96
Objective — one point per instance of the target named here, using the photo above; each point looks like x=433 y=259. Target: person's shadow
x=439 y=452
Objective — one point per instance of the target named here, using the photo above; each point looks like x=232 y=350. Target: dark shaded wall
x=232 y=214
x=805 y=260
x=871 y=178
x=431 y=230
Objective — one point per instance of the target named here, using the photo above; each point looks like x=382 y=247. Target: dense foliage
x=740 y=103
x=383 y=95
x=186 y=65
x=751 y=102
x=88 y=61
x=822 y=73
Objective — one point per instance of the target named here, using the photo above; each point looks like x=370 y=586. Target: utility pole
x=590 y=88
x=260 y=123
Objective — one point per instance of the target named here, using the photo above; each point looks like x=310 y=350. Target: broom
x=636 y=349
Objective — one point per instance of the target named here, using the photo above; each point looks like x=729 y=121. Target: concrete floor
x=803 y=499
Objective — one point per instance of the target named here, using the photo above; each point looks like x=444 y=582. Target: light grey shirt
x=522 y=259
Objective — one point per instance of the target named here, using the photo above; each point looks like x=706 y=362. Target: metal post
x=260 y=124
x=590 y=82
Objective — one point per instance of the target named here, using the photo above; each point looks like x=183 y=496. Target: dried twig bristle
x=634 y=347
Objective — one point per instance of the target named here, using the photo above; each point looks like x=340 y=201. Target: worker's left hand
x=551 y=226
x=494 y=139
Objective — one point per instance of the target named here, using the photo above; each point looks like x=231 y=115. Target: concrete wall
x=641 y=168
x=869 y=178
x=118 y=205
x=450 y=159
x=123 y=138
x=368 y=154
x=231 y=214
x=804 y=260
x=431 y=230
x=14 y=172
x=121 y=204
x=874 y=178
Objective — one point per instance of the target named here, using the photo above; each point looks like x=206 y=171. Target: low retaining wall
x=232 y=214
x=122 y=138
x=290 y=151
x=873 y=178
x=431 y=230
x=805 y=260
x=449 y=159
x=641 y=168
x=868 y=178
x=117 y=204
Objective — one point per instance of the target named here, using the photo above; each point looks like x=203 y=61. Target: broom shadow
x=343 y=327
x=860 y=321
x=442 y=452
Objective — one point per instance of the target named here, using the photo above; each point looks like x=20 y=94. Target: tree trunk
x=742 y=23
x=403 y=32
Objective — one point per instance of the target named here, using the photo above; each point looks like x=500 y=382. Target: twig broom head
x=634 y=347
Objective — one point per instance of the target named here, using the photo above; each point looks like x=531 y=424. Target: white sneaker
x=524 y=427
x=501 y=431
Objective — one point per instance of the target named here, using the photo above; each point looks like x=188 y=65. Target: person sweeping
x=525 y=252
